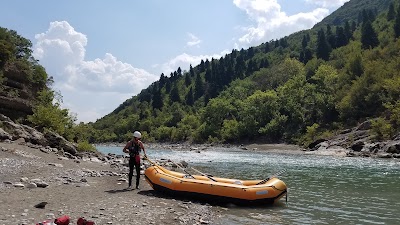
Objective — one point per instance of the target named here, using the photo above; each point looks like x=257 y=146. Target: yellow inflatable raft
x=215 y=189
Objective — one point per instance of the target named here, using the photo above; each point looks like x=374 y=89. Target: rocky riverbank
x=45 y=169
x=43 y=176
x=356 y=142
x=83 y=187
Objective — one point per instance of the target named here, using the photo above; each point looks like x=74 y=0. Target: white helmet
x=137 y=134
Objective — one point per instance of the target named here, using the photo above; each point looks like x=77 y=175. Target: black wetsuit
x=134 y=161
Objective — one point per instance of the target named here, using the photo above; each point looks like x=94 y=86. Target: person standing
x=133 y=147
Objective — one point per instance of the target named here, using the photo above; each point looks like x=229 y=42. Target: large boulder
x=392 y=147
x=57 y=141
x=17 y=131
x=4 y=135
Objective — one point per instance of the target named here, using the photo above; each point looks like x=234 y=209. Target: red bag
x=83 y=221
x=64 y=220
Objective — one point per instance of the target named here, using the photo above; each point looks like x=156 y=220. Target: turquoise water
x=321 y=189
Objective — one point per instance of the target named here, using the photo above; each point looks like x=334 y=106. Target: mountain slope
x=294 y=89
x=351 y=10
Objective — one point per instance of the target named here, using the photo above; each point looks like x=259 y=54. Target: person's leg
x=131 y=165
x=137 y=165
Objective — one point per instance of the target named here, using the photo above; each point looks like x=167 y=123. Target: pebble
x=19 y=185
x=31 y=185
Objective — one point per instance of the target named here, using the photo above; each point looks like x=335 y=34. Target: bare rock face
x=14 y=131
x=17 y=92
x=17 y=131
x=359 y=142
x=4 y=135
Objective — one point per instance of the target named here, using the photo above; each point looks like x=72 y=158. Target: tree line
x=295 y=89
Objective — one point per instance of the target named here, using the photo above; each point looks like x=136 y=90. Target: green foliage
x=230 y=130
x=301 y=87
x=381 y=129
x=310 y=135
x=84 y=146
x=323 y=47
x=369 y=38
x=162 y=133
x=49 y=115
x=394 y=115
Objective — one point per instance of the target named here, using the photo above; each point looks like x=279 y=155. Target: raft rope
x=267 y=179
x=180 y=167
x=155 y=164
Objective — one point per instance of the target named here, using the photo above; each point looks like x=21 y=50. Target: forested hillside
x=308 y=85
x=26 y=94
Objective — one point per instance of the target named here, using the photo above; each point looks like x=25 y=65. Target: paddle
x=182 y=169
x=206 y=175
x=155 y=164
x=274 y=175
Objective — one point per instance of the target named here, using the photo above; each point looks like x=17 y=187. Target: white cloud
x=194 y=41
x=89 y=88
x=272 y=23
x=328 y=3
x=185 y=60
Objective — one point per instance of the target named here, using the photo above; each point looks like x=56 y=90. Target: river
x=321 y=189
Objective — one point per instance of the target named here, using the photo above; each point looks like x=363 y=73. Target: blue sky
x=101 y=53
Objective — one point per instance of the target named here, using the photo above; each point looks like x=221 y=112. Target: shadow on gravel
x=115 y=191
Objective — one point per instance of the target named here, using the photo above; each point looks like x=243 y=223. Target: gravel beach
x=86 y=187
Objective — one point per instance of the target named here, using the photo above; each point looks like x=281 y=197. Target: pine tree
x=304 y=42
x=353 y=26
x=250 y=52
x=188 y=80
x=283 y=42
x=323 y=48
x=276 y=43
x=179 y=71
x=347 y=31
x=369 y=38
x=162 y=80
x=266 y=48
x=167 y=85
x=391 y=13
x=198 y=87
x=189 y=97
x=397 y=24
x=240 y=67
x=157 y=102
x=264 y=63
x=174 y=96
x=341 y=39
x=191 y=70
x=330 y=37
x=202 y=67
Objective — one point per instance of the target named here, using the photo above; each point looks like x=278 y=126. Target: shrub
x=84 y=146
x=381 y=129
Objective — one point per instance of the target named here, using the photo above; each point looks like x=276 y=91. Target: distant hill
x=351 y=10
x=302 y=87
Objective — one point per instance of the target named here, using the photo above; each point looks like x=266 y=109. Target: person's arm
x=142 y=147
x=125 y=150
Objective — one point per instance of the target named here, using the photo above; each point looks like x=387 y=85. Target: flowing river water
x=321 y=189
